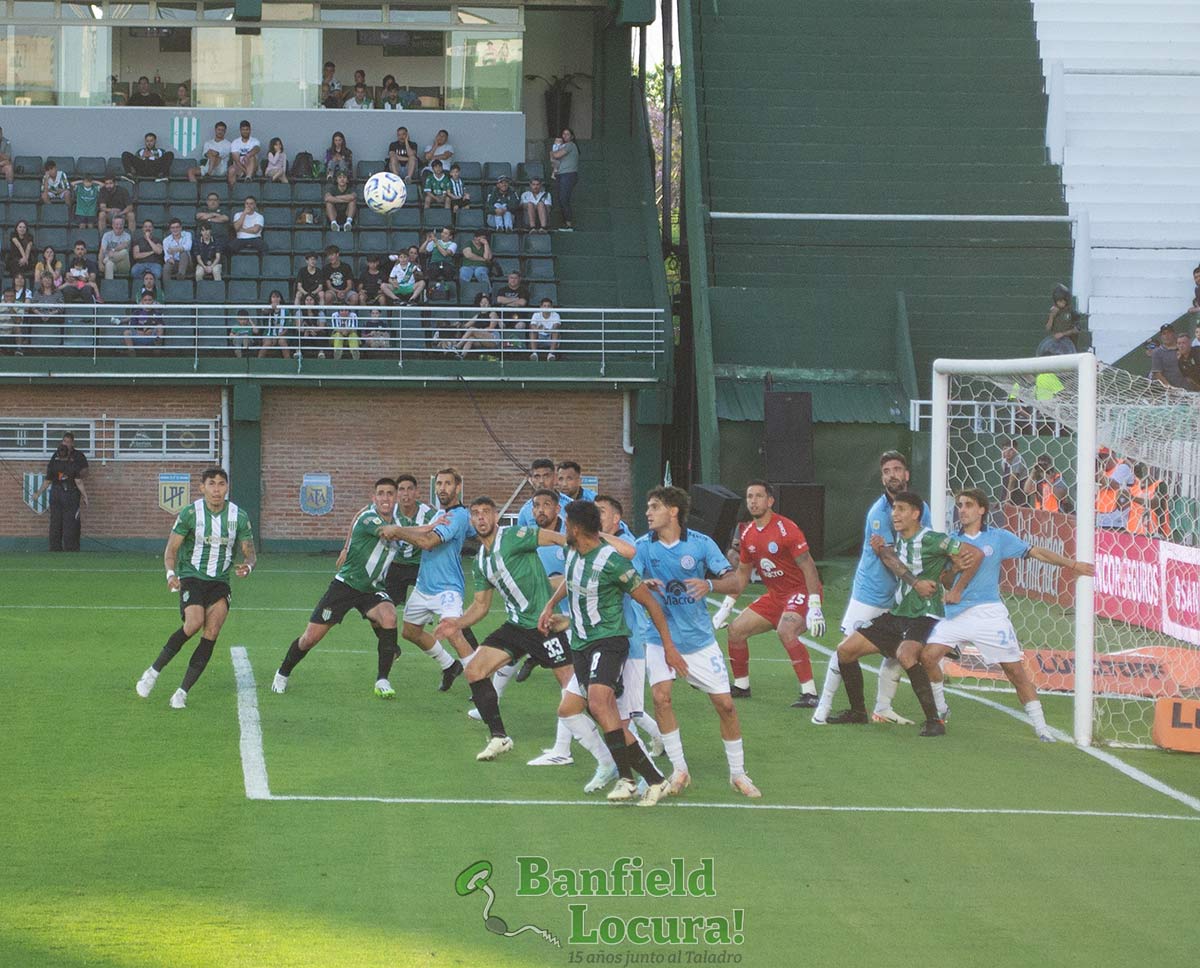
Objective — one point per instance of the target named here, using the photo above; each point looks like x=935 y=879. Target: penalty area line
x=254 y=763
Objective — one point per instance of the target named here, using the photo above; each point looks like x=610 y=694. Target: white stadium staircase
x=1124 y=122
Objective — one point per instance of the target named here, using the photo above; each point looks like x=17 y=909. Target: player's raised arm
x=1053 y=558
x=548 y=537
x=424 y=537
x=622 y=547
x=547 y=616
x=966 y=561
x=480 y=605
x=341 y=558
x=170 y=556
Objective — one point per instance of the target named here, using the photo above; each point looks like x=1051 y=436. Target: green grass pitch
x=127 y=839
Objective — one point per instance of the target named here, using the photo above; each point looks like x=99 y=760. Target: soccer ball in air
x=385 y=192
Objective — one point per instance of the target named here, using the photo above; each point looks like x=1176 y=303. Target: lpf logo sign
x=174 y=490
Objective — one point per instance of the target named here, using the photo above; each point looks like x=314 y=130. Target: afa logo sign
x=316 y=494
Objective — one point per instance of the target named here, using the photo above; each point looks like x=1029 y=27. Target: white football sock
x=742 y=682
x=502 y=677
x=808 y=688
x=736 y=756
x=562 y=738
x=674 y=747
x=833 y=682
x=889 y=681
x=939 y=697
x=647 y=723
x=1033 y=709
x=585 y=731
x=440 y=655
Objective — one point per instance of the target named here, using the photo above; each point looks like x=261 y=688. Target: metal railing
x=591 y=339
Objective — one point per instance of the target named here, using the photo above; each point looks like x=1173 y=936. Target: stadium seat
x=114 y=166
x=543 y=290
x=436 y=218
x=45 y=336
x=181 y=166
x=58 y=236
x=308 y=192
x=27 y=189
x=493 y=171
x=218 y=185
x=527 y=170
x=471 y=171
x=283 y=285
x=468 y=291
x=152 y=191
x=154 y=212
x=275 y=266
x=365 y=169
x=368 y=218
x=179 y=290
x=21 y=210
x=538 y=269
x=372 y=241
x=406 y=218
x=182 y=191
x=243 y=189
x=114 y=290
x=508 y=263
x=92 y=164
x=52 y=215
x=401 y=239
x=538 y=244
x=506 y=243
x=276 y=192
x=78 y=331
x=209 y=291
x=472 y=218
x=242 y=293
x=244 y=266
x=66 y=164
x=29 y=165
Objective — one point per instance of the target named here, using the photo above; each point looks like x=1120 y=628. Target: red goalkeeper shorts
x=772 y=606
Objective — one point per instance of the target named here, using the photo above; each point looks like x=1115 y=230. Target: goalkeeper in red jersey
x=776 y=546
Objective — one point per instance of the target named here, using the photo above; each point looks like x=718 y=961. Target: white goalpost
x=1102 y=466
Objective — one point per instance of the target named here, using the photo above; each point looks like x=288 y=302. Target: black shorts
x=888 y=631
x=339 y=598
x=400 y=578
x=600 y=663
x=202 y=592
x=550 y=652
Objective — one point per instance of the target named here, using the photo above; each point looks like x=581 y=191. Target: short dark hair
x=243 y=122
x=174 y=221
x=911 y=498
x=542 y=464
x=545 y=492
x=331 y=249
x=78 y=242
x=975 y=494
x=384 y=481
x=672 y=497
x=401 y=478
x=569 y=465
x=612 y=502
x=147 y=80
x=585 y=516
x=68 y=434
x=453 y=472
x=50 y=163
x=759 y=482
x=891 y=455
x=210 y=472
x=482 y=501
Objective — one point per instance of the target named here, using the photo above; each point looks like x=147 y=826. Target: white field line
x=254 y=763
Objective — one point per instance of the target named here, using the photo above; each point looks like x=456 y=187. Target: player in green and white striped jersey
x=411 y=513
x=358 y=584
x=917 y=557
x=201 y=546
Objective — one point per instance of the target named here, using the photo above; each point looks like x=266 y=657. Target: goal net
x=1103 y=466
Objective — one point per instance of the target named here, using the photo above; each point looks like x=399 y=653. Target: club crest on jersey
x=988 y=551
x=773 y=547
x=316 y=494
x=186 y=596
x=688 y=561
x=174 y=492
x=768 y=569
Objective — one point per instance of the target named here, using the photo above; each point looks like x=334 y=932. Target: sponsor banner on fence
x=1036 y=579
x=1177 y=725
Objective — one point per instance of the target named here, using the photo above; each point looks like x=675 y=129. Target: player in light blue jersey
x=873 y=593
x=569 y=481
x=541 y=477
x=440 y=582
x=682 y=567
x=979 y=616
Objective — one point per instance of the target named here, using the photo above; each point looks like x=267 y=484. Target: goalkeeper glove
x=816 y=617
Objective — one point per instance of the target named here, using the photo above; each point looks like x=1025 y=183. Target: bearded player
x=776 y=546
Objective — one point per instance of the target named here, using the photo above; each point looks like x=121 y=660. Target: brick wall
x=123 y=494
x=357 y=436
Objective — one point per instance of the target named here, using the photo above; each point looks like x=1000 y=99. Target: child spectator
x=56 y=187
x=341 y=203
x=49 y=266
x=338 y=278
x=150 y=288
x=208 y=254
x=476 y=259
x=459 y=199
x=1063 y=321
x=177 y=251
x=338 y=157
x=277 y=160
x=406 y=280
x=372 y=284
x=377 y=334
x=437 y=187
x=114 y=200
x=144 y=329
x=242 y=333
x=543 y=331
x=501 y=202
x=274 y=326
x=536 y=202
x=87 y=201
x=345 y=332
x=310 y=281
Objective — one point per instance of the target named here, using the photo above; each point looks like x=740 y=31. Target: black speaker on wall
x=804 y=504
x=714 y=512
x=788 y=436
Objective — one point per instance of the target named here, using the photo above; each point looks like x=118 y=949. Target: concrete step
x=1144 y=258
x=1106 y=284
x=1127 y=192
x=1136 y=157
x=1163 y=235
x=1091 y=33
x=1114 y=336
x=1182 y=179
x=1149 y=142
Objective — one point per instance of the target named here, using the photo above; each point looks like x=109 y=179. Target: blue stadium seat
x=506 y=243
x=538 y=244
x=179 y=290
x=28 y=165
x=243 y=189
x=276 y=192
x=493 y=171
x=308 y=192
x=472 y=218
x=181 y=166
x=277 y=266
x=244 y=266
x=435 y=218
x=242 y=293
x=114 y=290
x=58 y=236
x=78 y=331
x=152 y=191
x=27 y=189
x=267 y=285
x=508 y=263
x=154 y=212
x=90 y=163
x=372 y=241
x=113 y=166
x=368 y=218
x=471 y=171
x=538 y=269
x=527 y=170
x=400 y=239
x=209 y=291
x=182 y=191
x=406 y=218
x=543 y=290
x=468 y=291
x=365 y=169
x=52 y=215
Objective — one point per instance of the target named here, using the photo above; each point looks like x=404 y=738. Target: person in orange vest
x=1113 y=481
x=1149 y=512
x=1046 y=487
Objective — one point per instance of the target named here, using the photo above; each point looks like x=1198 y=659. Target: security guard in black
x=63 y=474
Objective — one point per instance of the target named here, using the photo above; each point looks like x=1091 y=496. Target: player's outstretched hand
x=877 y=543
x=816 y=620
x=697 y=588
x=446 y=628
x=1083 y=568
x=675 y=660
x=174 y=584
x=243 y=570
x=655 y=585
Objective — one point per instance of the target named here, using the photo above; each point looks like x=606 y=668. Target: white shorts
x=574 y=688
x=421 y=609
x=987 y=627
x=706 y=668
x=859 y=614
x=633 y=693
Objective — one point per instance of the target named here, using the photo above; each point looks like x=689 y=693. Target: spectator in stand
x=243 y=155
x=314 y=334
x=46 y=312
x=459 y=198
x=116 y=247
x=147 y=252
x=402 y=155
x=543 y=331
x=310 y=281
x=1046 y=487
x=1195 y=307
x=274 y=325
x=437 y=187
x=86 y=191
x=183 y=98
x=441 y=251
x=536 y=202
x=345 y=332
x=331 y=87
x=476 y=259
x=215 y=154
x=177 y=251
x=243 y=333
x=564 y=161
x=1012 y=475
x=114 y=200
x=80 y=284
x=212 y=216
x=484 y=331
x=377 y=334
x=514 y=295
x=21 y=254
x=1063 y=321
x=143 y=97
x=144 y=328
x=208 y=253
x=341 y=203
x=414 y=256
x=56 y=186
x=390 y=100
x=1164 y=360
x=1196 y=336
x=1149 y=504
x=439 y=150
x=1189 y=361
x=150 y=288
x=21 y=290
x=406 y=279
x=277 y=162
x=248 y=224
x=49 y=266
x=1114 y=477
x=338 y=157
x=360 y=77
x=10 y=323
x=501 y=202
x=6 y=162
x=360 y=100
x=372 y=284
x=337 y=277
x=149 y=162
